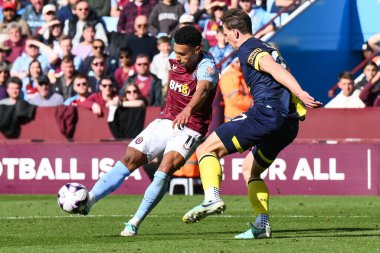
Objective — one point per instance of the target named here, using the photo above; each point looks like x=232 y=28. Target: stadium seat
x=187 y=183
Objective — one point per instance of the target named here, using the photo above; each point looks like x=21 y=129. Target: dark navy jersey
x=263 y=87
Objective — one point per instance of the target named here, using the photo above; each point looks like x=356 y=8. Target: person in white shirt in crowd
x=160 y=65
x=34 y=49
x=46 y=97
x=348 y=97
x=74 y=27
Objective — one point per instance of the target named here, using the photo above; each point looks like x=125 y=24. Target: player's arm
x=283 y=76
x=200 y=95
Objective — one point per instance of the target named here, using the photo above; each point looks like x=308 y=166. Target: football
x=72 y=197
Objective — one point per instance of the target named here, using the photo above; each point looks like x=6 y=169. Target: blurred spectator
x=126 y=69
x=64 y=84
x=236 y=95
x=65 y=49
x=13 y=86
x=45 y=96
x=160 y=65
x=96 y=73
x=33 y=15
x=217 y=9
x=164 y=17
x=374 y=42
x=221 y=50
x=66 y=12
x=200 y=14
x=4 y=76
x=33 y=50
x=370 y=94
x=103 y=99
x=127 y=120
x=348 y=97
x=369 y=71
x=132 y=97
x=98 y=49
x=49 y=12
x=50 y=33
x=4 y=53
x=187 y=19
x=16 y=41
x=85 y=48
x=74 y=26
x=129 y=14
x=101 y=7
x=141 y=42
x=82 y=90
x=149 y=84
x=29 y=87
x=258 y=16
x=10 y=16
x=229 y=3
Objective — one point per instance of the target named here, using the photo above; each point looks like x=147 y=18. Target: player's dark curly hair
x=188 y=35
x=237 y=19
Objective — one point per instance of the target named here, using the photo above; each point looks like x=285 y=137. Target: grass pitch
x=300 y=224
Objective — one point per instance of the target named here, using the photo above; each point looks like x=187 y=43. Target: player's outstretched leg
x=211 y=175
x=259 y=197
x=108 y=183
x=153 y=194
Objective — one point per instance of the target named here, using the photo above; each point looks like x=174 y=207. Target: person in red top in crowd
x=106 y=97
x=125 y=69
x=130 y=12
x=150 y=85
x=185 y=119
x=16 y=42
x=211 y=25
x=30 y=82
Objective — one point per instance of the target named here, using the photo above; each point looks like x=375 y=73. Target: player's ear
x=198 y=49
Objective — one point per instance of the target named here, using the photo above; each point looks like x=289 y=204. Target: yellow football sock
x=211 y=171
x=259 y=196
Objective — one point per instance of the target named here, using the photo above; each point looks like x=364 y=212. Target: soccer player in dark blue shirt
x=269 y=126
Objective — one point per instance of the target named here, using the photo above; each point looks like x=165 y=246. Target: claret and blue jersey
x=263 y=87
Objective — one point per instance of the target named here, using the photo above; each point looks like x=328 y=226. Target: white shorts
x=160 y=137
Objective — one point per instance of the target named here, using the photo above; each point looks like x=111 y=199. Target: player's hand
x=308 y=100
x=183 y=118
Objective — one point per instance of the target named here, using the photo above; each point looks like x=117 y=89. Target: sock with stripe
x=211 y=176
x=259 y=196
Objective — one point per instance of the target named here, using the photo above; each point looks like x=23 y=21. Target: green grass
x=299 y=223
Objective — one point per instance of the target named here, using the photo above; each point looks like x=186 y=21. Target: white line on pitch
x=170 y=216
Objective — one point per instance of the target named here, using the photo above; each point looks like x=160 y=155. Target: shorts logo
x=252 y=55
x=139 y=140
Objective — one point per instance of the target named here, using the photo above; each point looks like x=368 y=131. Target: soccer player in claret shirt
x=269 y=126
x=184 y=121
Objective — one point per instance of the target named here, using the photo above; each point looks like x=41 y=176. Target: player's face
x=231 y=37
x=187 y=56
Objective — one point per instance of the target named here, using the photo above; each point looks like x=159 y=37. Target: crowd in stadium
x=101 y=54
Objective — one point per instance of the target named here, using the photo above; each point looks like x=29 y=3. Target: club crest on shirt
x=210 y=70
x=139 y=140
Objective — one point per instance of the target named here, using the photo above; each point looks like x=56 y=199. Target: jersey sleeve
x=207 y=71
x=252 y=54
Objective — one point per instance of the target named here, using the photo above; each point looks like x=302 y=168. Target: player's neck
x=243 y=38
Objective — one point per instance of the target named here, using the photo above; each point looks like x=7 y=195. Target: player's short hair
x=237 y=19
x=188 y=35
x=346 y=75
